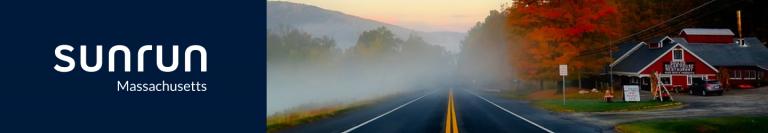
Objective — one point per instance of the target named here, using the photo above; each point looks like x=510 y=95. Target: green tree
x=484 y=59
x=288 y=45
x=375 y=44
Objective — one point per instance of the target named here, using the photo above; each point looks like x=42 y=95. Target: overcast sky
x=424 y=15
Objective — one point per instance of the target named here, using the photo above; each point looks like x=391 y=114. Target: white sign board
x=563 y=70
x=631 y=93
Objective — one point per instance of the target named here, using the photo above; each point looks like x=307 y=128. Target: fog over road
x=428 y=110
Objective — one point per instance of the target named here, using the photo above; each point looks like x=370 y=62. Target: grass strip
x=740 y=124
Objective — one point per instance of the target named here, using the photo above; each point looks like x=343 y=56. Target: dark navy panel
x=36 y=98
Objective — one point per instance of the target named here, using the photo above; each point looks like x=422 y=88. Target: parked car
x=705 y=87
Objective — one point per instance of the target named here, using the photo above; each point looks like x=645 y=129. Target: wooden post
x=654 y=85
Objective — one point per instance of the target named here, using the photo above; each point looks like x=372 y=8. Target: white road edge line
x=390 y=111
x=510 y=112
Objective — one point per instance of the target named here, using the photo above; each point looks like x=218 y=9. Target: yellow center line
x=448 y=115
x=451 y=125
x=453 y=114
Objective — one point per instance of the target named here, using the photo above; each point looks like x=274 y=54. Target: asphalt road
x=427 y=111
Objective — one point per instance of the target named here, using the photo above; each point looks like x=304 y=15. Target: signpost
x=631 y=93
x=563 y=72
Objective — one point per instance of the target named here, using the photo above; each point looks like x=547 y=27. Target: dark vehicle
x=705 y=87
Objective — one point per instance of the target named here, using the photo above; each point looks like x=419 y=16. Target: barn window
x=644 y=81
x=750 y=74
x=677 y=55
x=692 y=79
x=634 y=80
x=666 y=80
x=654 y=45
x=736 y=74
x=666 y=41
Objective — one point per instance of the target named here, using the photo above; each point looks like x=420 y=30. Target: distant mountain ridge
x=344 y=28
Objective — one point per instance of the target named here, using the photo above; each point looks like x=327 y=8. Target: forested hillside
x=529 y=38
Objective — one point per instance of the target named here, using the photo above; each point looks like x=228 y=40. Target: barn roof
x=638 y=59
x=704 y=31
x=624 y=48
x=730 y=54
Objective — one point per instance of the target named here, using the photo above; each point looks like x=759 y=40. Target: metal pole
x=579 y=79
x=610 y=68
x=563 y=90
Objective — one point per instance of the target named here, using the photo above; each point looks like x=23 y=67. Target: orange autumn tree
x=546 y=33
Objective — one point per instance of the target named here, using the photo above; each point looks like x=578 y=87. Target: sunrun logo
x=128 y=86
x=127 y=52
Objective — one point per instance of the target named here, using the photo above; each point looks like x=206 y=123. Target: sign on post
x=563 y=70
x=631 y=93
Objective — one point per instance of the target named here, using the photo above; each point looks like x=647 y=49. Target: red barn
x=697 y=54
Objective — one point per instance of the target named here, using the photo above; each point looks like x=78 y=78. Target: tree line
x=378 y=58
x=526 y=40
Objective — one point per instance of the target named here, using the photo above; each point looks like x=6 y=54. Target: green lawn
x=592 y=105
x=740 y=124
x=549 y=99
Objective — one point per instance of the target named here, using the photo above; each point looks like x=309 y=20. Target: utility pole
x=610 y=68
x=738 y=22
